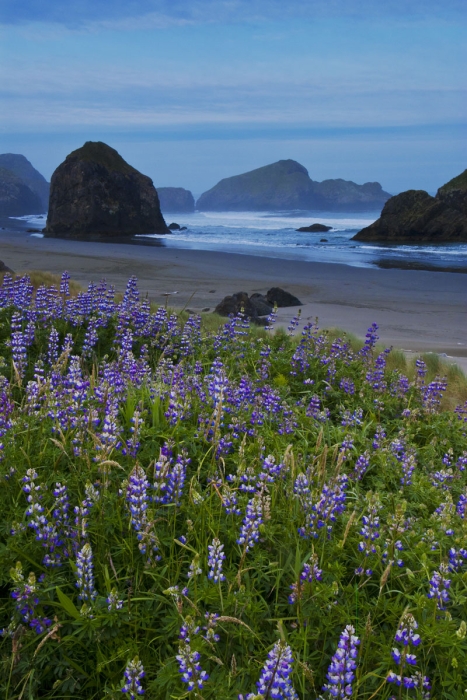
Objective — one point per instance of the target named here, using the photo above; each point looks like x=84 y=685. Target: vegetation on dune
x=222 y=512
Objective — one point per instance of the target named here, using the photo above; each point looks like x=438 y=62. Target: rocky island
x=415 y=216
x=176 y=200
x=286 y=185
x=23 y=190
x=95 y=192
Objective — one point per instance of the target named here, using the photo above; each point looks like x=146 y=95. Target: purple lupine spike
x=249 y=532
x=85 y=575
x=309 y=574
x=361 y=465
x=134 y=673
x=188 y=660
x=216 y=560
x=274 y=681
x=65 y=284
x=408 y=636
x=341 y=674
x=439 y=586
x=25 y=595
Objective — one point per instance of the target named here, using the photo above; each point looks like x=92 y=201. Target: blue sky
x=190 y=92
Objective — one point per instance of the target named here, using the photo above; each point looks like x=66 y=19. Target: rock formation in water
x=314 y=228
x=415 y=216
x=22 y=168
x=176 y=200
x=286 y=185
x=94 y=192
x=16 y=198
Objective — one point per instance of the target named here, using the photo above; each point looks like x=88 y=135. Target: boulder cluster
x=257 y=306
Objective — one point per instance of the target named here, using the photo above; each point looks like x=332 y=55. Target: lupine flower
x=310 y=573
x=85 y=575
x=408 y=636
x=188 y=660
x=113 y=601
x=215 y=561
x=324 y=513
x=133 y=675
x=25 y=595
x=361 y=465
x=274 y=681
x=249 y=532
x=195 y=569
x=341 y=674
x=210 y=627
x=439 y=586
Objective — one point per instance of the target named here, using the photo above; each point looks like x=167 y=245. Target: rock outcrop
x=95 y=192
x=176 y=200
x=415 y=216
x=286 y=185
x=22 y=168
x=279 y=297
x=16 y=198
x=235 y=304
x=314 y=228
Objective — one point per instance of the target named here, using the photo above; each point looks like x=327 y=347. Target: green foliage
x=83 y=652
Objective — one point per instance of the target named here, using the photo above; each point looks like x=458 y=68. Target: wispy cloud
x=141 y=14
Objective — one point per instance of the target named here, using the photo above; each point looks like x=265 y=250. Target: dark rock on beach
x=16 y=198
x=4 y=268
x=261 y=304
x=176 y=200
x=417 y=217
x=286 y=185
x=232 y=305
x=281 y=298
x=95 y=192
x=22 y=169
x=173 y=226
x=314 y=228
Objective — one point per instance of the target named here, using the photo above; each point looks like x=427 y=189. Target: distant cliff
x=176 y=200
x=96 y=192
x=415 y=216
x=22 y=168
x=286 y=185
x=16 y=198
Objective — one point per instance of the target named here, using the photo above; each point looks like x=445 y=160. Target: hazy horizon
x=192 y=92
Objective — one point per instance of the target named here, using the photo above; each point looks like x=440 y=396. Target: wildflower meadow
x=222 y=512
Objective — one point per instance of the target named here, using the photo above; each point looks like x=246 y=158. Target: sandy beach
x=419 y=311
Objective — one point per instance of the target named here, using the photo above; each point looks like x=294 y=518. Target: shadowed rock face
x=16 y=198
x=22 y=168
x=416 y=217
x=286 y=185
x=176 y=200
x=95 y=192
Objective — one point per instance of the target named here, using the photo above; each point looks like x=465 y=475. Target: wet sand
x=421 y=311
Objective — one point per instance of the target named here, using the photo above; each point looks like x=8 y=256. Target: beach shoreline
x=416 y=310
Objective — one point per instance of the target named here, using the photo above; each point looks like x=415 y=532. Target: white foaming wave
x=421 y=250
x=272 y=220
x=33 y=219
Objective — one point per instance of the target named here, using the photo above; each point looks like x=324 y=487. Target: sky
x=192 y=91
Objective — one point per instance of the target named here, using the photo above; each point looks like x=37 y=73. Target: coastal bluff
x=16 y=198
x=24 y=172
x=415 y=216
x=286 y=185
x=95 y=192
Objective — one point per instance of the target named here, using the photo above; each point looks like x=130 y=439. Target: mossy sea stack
x=415 y=216
x=94 y=192
x=286 y=185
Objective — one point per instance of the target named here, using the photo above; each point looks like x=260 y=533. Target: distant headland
x=286 y=185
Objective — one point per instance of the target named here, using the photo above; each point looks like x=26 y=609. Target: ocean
x=273 y=234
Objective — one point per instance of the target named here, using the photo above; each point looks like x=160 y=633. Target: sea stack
x=95 y=192
x=415 y=216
